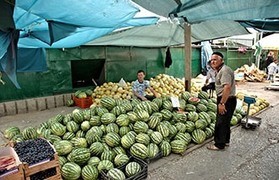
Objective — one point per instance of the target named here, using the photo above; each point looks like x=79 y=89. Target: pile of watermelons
x=104 y=137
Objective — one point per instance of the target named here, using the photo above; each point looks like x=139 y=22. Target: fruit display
x=163 y=84
x=259 y=105
x=102 y=138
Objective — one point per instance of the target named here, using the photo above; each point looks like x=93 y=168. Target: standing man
x=140 y=85
x=226 y=101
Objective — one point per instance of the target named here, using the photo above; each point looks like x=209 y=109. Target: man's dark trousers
x=222 y=125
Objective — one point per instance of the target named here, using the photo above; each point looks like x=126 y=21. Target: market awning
x=270 y=42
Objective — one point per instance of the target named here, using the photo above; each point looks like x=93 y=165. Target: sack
x=122 y=83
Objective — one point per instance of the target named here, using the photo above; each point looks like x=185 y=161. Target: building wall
x=120 y=62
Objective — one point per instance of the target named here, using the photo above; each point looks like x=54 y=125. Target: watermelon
x=209 y=132
x=181 y=127
x=124 y=130
x=127 y=141
x=79 y=142
x=156 y=137
x=143 y=115
x=72 y=126
x=193 y=116
x=143 y=138
x=112 y=139
x=108 y=102
x=89 y=172
x=105 y=165
x=132 y=168
x=198 y=136
x=107 y=118
x=121 y=159
x=140 y=127
x=234 y=121
x=167 y=115
x=71 y=170
x=154 y=120
x=123 y=120
x=62 y=160
x=184 y=136
x=203 y=95
x=63 y=147
x=201 y=108
x=108 y=155
x=96 y=148
x=163 y=129
x=186 y=95
x=116 y=174
x=201 y=124
x=190 y=126
x=165 y=148
x=80 y=155
x=85 y=125
x=119 y=150
x=139 y=150
x=167 y=104
x=112 y=127
x=133 y=117
x=10 y=132
x=117 y=110
x=212 y=107
x=178 y=146
x=194 y=100
x=101 y=110
x=77 y=116
x=94 y=161
x=152 y=150
x=95 y=121
x=29 y=133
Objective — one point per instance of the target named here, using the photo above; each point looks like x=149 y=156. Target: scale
x=250 y=122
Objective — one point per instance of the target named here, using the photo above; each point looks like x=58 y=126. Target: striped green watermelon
x=62 y=160
x=29 y=133
x=143 y=138
x=178 y=146
x=108 y=155
x=112 y=127
x=186 y=95
x=58 y=129
x=72 y=126
x=156 y=137
x=205 y=116
x=163 y=129
x=94 y=161
x=190 y=108
x=154 y=107
x=127 y=106
x=119 y=150
x=167 y=104
x=133 y=117
x=89 y=172
x=140 y=127
x=203 y=95
x=154 y=120
x=79 y=142
x=71 y=170
x=77 y=116
x=124 y=130
x=184 y=136
x=105 y=165
x=80 y=155
x=158 y=101
x=127 y=141
x=96 y=148
x=117 y=110
x=209 y=132
x=152 y=150
x=116 y=174
x=212 y=115
x=142 y=115
x=132 y=168
x=181 y=127
x=85 y=125
x=179 y=117
x=190 y=126
x=193 y=116
x=165 y=148
x=201 y=124
x=63 y=147
x=108 y=102
x=123 y=120
x=10 y=132
x=204 y=102
x=80 y=134
x=201 y=108
x=139 y=150
x=212 y=107
x=107 y=118
x=101 y=110
x=53 y=138
x=112 y=139
x=121 y=159
x=95 y=121
x=167 y=115
x=198 y=136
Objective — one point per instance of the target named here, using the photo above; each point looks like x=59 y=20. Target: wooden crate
x=19 y=175
x=30 y=170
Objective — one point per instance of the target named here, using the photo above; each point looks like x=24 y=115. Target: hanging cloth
x=168 y=60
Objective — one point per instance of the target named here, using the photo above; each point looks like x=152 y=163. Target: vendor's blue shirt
x=140 y=87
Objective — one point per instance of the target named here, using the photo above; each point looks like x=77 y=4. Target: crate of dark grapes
x=10 y=166
x=39 y=159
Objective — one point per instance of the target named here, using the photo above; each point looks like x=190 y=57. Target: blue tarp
x=58 y=24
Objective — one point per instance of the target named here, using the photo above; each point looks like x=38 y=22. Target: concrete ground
x=251 y=155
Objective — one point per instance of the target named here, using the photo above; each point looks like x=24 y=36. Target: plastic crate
x=158 y=156
x=83 y=102
x=140 y=176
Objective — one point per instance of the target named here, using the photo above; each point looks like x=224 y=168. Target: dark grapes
x=34 y=151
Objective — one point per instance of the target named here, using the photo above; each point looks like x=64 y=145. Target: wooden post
x=188 y=56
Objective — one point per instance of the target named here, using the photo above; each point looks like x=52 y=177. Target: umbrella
x=270 y=42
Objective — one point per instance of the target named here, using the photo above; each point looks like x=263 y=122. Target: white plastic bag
x=122 y=83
